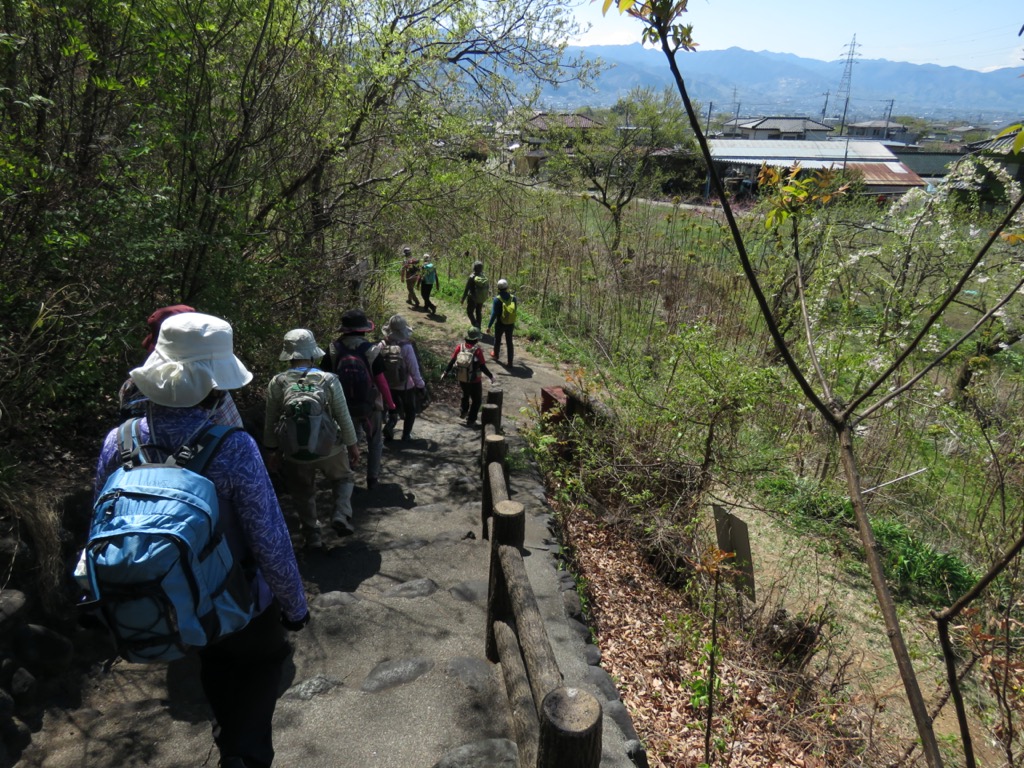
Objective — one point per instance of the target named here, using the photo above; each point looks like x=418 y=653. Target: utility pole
x=843 y=92
x=888 y=115
x=707 y=125
x=824 y=109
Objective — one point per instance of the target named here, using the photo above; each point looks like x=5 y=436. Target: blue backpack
x=157 y=563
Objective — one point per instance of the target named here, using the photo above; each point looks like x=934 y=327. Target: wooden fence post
x=495 y=452
x=495 y=396
x=570 y=730
x=509 y=529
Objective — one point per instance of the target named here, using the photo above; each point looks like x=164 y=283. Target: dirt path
x=390 y=672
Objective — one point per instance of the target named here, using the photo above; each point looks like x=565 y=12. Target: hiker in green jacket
x=475 y=294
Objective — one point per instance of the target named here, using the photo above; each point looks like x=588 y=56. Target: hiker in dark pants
x=411 y=276
x=475 y=294
x=429 y=279
x=398 y=332
x=468 y=362
x=503 y=318
x=184 y=378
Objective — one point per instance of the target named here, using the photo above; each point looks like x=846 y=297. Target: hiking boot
x=371 y=483
x=314 y=539
x=343 y=526
x=462 y=413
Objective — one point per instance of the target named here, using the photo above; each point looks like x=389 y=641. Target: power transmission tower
x=843 y=93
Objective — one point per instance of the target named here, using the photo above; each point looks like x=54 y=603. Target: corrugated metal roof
x=888 y=174
x=775 y=152
x=1000 y=145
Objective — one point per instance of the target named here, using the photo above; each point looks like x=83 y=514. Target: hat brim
x=302 y=354
x=358 y=329
x=185 y=384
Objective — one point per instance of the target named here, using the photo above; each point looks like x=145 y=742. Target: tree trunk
x=892 y=623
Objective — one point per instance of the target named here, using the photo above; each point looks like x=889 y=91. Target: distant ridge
x=768 y=83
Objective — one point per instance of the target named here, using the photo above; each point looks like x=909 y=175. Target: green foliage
x=805 y=499
x=917 y=569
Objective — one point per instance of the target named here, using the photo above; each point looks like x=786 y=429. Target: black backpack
x=352 y=368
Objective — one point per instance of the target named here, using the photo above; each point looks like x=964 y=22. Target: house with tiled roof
x=776 y=129
x=529 y=155
x=882 y=130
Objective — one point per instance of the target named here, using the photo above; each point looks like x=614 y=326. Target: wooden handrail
x=555 y=726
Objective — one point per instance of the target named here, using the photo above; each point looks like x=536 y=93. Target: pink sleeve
x=385 y=391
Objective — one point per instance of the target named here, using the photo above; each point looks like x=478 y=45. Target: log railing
x=554 y=726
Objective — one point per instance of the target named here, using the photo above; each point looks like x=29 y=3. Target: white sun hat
x=193 y=355
x=300 y=344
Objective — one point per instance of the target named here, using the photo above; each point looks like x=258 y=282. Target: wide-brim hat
x=193 y=356
x=299 y=344
x=355 y=321
x=397 y=328
x=474 y=334
x=155 y=320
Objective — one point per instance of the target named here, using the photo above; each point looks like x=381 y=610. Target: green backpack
x=481 y=289
x=306 y=429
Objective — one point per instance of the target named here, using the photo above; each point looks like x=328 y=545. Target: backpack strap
x=130 y=448
x=128 y=443
x=196 y=457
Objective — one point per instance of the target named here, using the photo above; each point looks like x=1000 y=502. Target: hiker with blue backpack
x=360 y=366
x=476 y=293
x=429 y=280
x=503 y=318
x=308 y=426
x=133 y=403
x=188 y=549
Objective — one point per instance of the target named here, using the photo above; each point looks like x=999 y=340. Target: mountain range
x=762 y=83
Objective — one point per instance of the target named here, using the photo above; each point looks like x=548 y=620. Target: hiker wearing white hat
x=398 y=332
x=308 y=422
x=184 y=378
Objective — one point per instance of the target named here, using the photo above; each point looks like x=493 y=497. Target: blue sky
x=940 y=32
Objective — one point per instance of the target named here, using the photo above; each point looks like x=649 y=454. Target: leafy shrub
x=917 y=569
x=804 y=497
